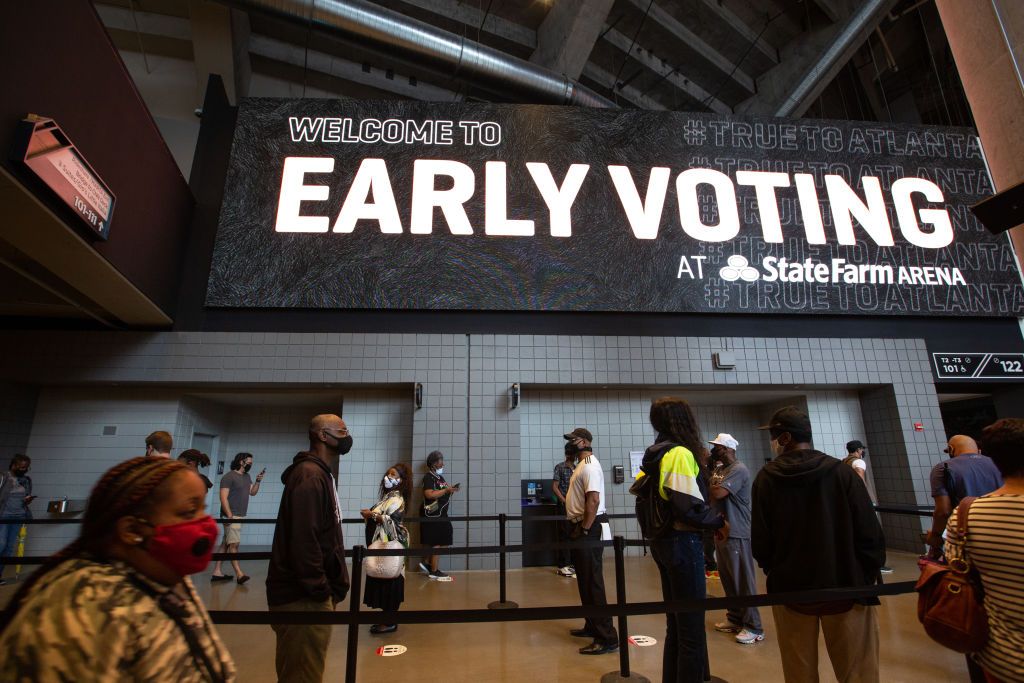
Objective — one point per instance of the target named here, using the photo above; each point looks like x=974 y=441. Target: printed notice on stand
x=636 y=458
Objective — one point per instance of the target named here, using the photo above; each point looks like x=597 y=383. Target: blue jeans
x=680 y=560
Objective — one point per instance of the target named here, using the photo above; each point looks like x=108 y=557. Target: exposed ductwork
x=847 y=41
x=385 y=31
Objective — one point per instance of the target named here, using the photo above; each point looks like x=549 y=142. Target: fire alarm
x=918 y=426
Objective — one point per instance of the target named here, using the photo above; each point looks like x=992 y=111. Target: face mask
x=247 y=468
x=20 y=473
x=185 y=548
x=390 y=483
x=439 y=470
x=344 y=445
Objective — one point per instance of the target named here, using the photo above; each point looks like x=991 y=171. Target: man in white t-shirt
x=855 y=459
x=585 y=510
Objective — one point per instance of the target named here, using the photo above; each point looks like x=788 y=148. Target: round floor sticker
x=391 y=650
x=642 y=641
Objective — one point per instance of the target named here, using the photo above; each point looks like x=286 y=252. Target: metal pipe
x=387 y=32
x=852 y=35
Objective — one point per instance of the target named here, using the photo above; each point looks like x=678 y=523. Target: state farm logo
x=738 y=268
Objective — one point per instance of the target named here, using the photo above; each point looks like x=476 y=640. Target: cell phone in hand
x=459 y=485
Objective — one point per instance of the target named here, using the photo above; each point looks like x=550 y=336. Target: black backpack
x=653 y=512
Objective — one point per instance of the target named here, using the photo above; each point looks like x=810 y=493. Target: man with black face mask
x=235 y=489
x=307 y=566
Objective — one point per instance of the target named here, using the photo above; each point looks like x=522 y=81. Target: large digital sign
x=404 y=205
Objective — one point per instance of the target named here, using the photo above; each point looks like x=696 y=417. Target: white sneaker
x=566 y=571
x=746 y=637
x=727 y=627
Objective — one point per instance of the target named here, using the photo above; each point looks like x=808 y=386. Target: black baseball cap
x=579 y=433
x=853 y=445
x=789 y=419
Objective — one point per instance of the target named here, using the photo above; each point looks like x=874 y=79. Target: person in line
x=437 y=494
x=159 y=445
x=709 y=467
x=384 y=521
x=994 y=545
x=117 y=604
x=813 y=526
x=856 y=451
x=560 y=486
x=195 y=459
x=965 y=473
x=15 y=497
x=585 y=511
x=730 y=497
x=307 y=570
x=674 y=459
x=235 y=489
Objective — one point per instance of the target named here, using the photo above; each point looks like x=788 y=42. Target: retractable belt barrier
x=500 y=611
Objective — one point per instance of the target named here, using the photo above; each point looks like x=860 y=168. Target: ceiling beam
x=474 y=18
x=628 y=92
x=697 y=44
x=748 y=34
x=668 y=73
x=568 y=33
x=217 y=47
x=337 y=67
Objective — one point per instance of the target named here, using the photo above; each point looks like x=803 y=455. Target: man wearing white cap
x=730 y=495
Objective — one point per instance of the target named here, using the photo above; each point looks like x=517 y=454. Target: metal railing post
x=354 y=598
x=502 y=602
x=623 y=674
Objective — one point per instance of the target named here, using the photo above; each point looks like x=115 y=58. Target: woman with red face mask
x=117 y=604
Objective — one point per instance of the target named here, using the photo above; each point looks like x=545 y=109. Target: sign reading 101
x=979 y=365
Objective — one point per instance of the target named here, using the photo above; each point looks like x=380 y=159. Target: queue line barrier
x=620 y=610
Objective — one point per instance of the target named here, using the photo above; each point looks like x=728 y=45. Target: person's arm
x=593 y=500
x=225 y=508
x=954 y=547
x=558 y=492
x=255 y=488
x=687 y=490
x=719 y=492
x=861 y=468
x=760 y=527
x=307 y=503
x=940 y=518
x=868 y=537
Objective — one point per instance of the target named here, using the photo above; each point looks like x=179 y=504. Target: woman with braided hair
x=117 y=604
x=679 y=550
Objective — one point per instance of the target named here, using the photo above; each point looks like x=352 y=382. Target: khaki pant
x=851 y=639
x=301 y=649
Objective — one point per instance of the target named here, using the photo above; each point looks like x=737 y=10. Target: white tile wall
x=69 y=452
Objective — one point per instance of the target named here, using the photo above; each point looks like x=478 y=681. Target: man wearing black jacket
x=307 y=569
x=813 y=527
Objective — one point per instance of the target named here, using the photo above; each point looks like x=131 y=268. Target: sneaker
x=566 y=571
x=886 y=570
x=439 y=576
x=424 y=568
x=746 y=637
x=727 y=627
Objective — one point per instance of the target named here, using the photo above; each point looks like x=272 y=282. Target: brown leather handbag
x=950 y=598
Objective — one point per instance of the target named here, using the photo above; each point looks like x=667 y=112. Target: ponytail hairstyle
x=674 y=420
x=131 y=488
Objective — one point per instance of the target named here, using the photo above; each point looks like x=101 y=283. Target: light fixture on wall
x=418 y=395
x=513 y=396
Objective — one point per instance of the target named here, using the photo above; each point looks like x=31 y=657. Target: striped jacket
x=91 y=621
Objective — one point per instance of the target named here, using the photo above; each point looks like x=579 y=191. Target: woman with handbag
x=993 y=545
x=385 y=576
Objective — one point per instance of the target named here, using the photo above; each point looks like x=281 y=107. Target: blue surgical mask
x=390 y=483
x=439 y=470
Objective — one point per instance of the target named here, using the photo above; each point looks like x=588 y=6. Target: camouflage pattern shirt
x=92 y=621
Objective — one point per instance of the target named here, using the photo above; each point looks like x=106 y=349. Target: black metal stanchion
x=502 y=602
x=623 y=674
x=354 y=598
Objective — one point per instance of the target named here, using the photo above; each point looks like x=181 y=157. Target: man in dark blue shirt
x=560 y=487
x=966 y=473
